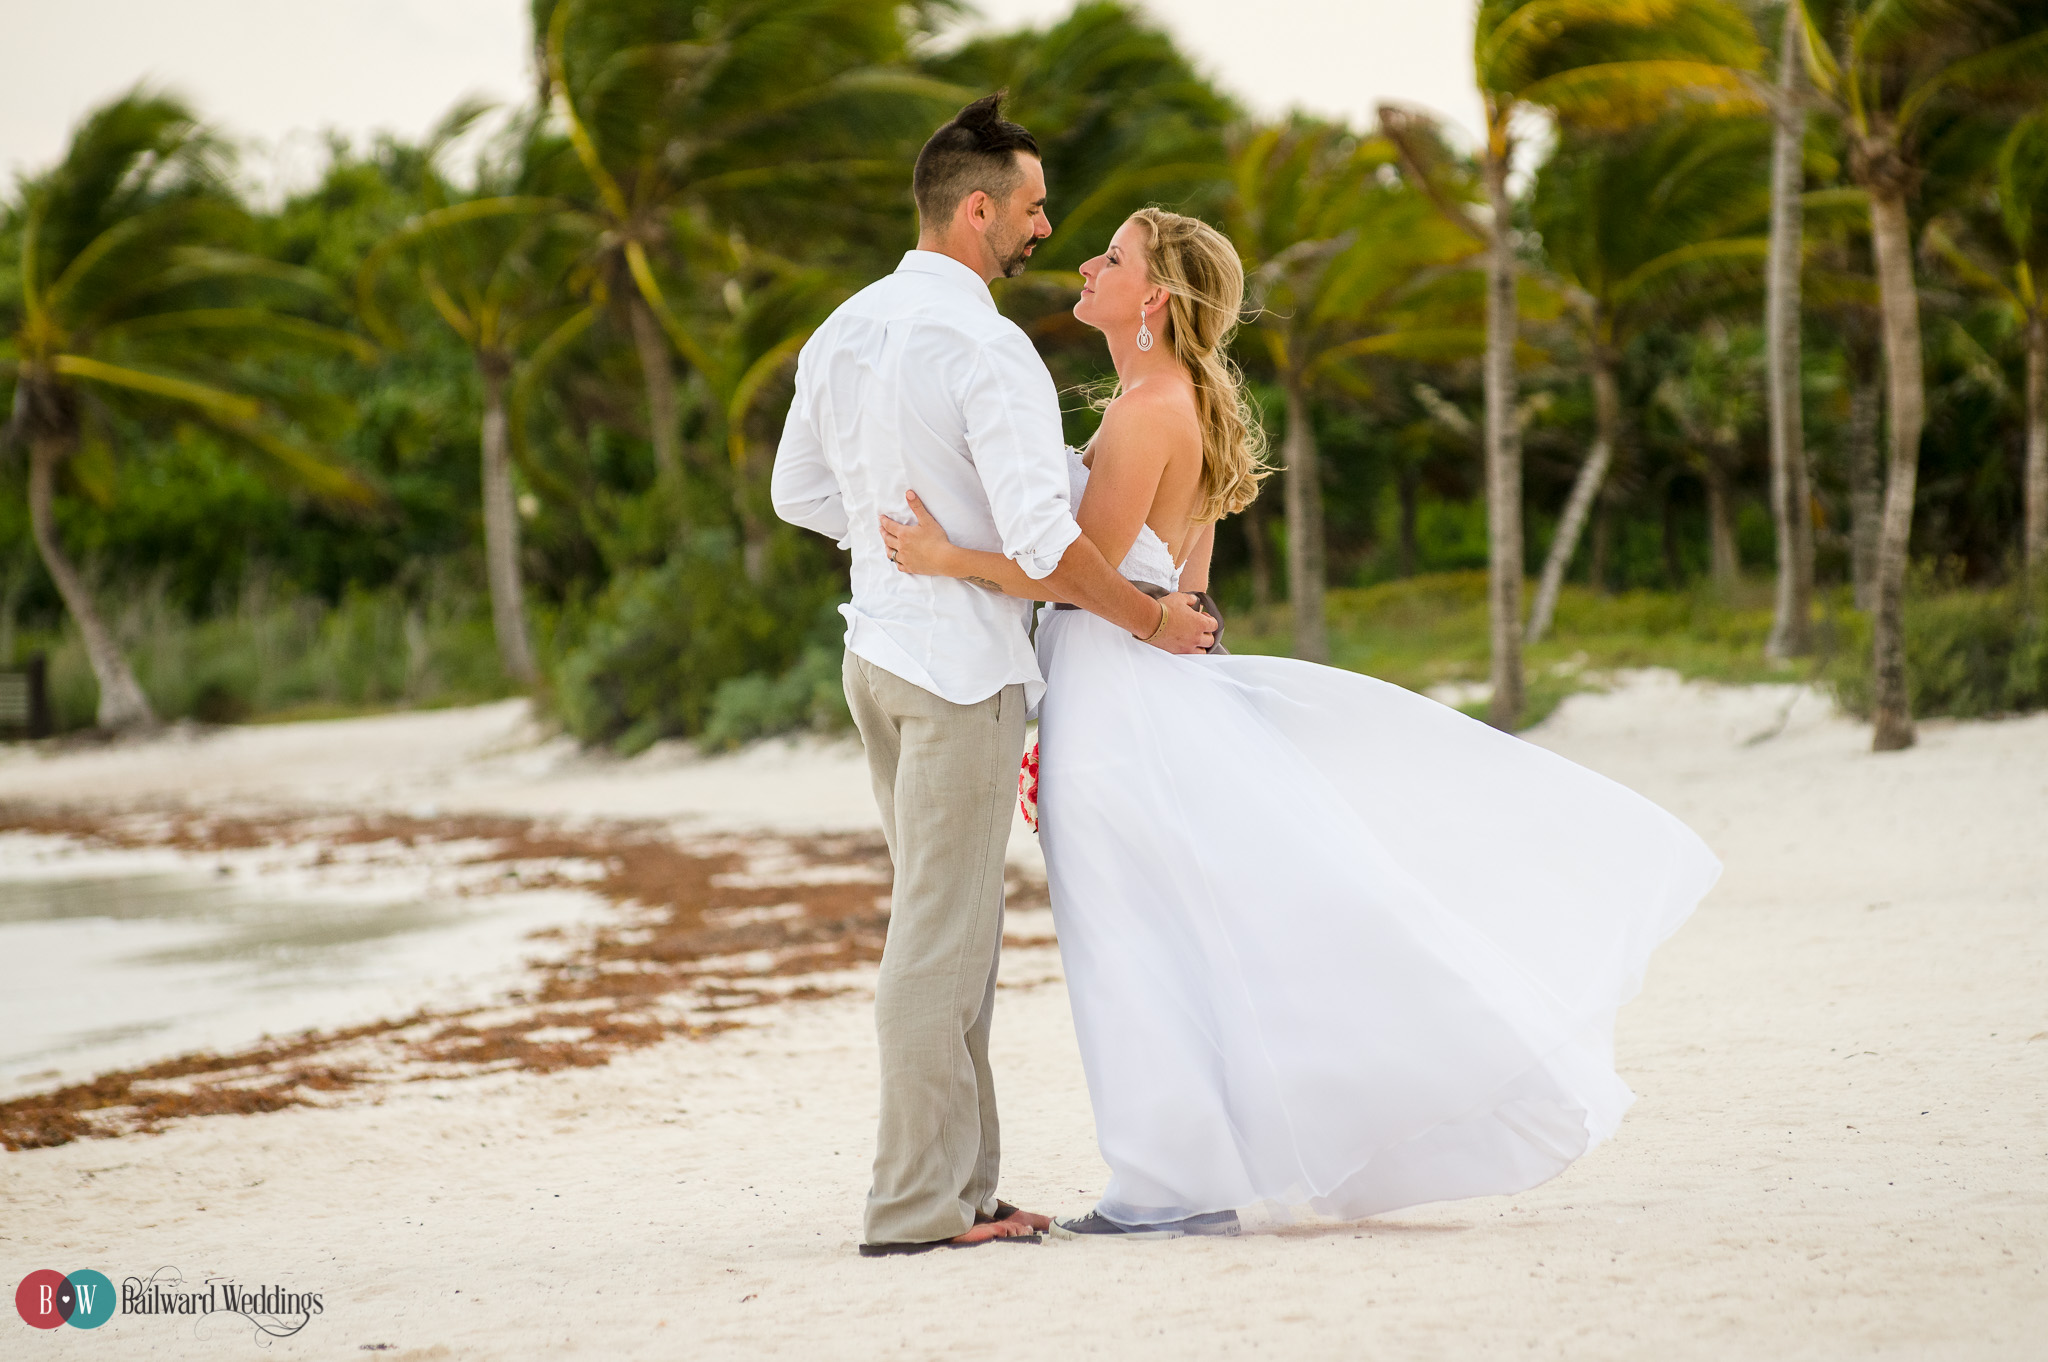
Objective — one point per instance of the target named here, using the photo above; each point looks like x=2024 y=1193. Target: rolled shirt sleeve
x=803 y=487
x=1013 y=433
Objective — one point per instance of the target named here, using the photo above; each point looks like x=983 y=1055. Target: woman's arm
x=922 y=548
x=1194 y=571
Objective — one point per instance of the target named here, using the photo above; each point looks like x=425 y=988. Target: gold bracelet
x=1162 y=624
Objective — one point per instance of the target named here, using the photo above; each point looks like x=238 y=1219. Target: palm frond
x=687 y=345
x=1616 y=95
x=749 y=388
x=254 y=319
x=608 y=190
x=1939 y=241
x=329 y=479
x=529 y=372
x=2022 y=179
x=2017 y=70
x=190 y=263
x=1122 y=186
x=215 y=401
x=1439 y=343
x=1744 y=251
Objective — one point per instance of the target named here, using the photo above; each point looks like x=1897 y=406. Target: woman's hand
x=922 y=547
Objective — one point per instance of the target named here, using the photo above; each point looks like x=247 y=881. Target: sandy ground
x=1840 y=1151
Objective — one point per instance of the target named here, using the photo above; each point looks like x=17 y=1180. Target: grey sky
x=276 y=73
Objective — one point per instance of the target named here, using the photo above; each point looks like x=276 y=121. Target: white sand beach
x=1840 y=1148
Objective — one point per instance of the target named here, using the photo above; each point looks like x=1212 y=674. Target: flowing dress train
x=1332 y=945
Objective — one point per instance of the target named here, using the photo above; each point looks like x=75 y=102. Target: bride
x=1331 y=946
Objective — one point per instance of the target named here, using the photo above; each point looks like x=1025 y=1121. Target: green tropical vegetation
x=1728 y=332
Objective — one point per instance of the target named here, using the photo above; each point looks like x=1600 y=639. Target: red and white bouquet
x=1027 y=787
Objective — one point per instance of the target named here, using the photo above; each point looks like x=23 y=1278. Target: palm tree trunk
x=1866 y=487
x=1585 y=487
x=1722 y=557
x=1260 y=550
x=1791 y=628
x=1503 y=456
x=1892 y=244
x=1667 y=535
x=501 y=530
x=122 y=703
x=753 y=543
x=660 y=377
x=753 y=524
x=1596 y=558
x=1304 y=530
x=2036 y=537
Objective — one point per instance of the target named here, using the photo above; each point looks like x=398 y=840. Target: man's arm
x=1012 y=420
x=803 y=487
x=1013 y=431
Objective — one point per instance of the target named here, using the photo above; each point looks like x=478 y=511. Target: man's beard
x=1013 y=256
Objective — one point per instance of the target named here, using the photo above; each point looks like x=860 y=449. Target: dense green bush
x=659 y=643
x=808 y=695
x=1969 y=654
x=279 y=651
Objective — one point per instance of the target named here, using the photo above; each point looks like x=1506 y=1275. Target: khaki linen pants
x=944 y=777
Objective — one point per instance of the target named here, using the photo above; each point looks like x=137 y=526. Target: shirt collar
x=917 y=261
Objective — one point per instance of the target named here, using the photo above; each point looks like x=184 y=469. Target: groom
x=918 y=381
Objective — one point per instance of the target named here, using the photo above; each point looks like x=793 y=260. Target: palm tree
x=1598 y=66
x=133 y=304
x=1711 y=394
x=747 y=364
x=681 y=106
x=1999 y=247
x=1347 y=261
x=1791 y=494
x=1890 y=71
x=1839 y=291
x=494 y=267
x=1643 y=228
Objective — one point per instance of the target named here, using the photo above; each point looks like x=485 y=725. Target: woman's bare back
x=1145 y=468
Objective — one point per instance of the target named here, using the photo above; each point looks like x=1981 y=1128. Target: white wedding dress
x=1332 y=946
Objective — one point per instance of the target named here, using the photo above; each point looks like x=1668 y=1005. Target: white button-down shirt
x=917 y=382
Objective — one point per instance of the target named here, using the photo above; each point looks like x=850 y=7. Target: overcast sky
x=276 y=73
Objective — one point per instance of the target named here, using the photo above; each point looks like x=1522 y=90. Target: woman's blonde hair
x=1199 y=268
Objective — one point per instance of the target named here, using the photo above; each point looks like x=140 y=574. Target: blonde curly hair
x=1199 y=269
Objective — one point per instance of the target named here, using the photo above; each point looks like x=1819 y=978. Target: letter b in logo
x=47 y=1299
x=43 y=1299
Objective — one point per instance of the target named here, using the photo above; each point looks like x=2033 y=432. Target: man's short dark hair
x=977 y=150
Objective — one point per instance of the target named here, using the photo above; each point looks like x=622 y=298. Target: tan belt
x=1204 y=602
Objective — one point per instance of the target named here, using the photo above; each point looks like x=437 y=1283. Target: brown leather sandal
x=900 y=1250
x=1004 y=1210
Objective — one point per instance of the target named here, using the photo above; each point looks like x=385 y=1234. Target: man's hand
x=1187 y=629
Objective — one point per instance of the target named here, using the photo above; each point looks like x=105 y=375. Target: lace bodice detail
x=1149 y=559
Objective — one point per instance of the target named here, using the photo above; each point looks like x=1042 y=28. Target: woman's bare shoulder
x=1155 y=398
x=1154 y=415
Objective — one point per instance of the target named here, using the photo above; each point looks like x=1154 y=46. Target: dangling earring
x=1144 y=333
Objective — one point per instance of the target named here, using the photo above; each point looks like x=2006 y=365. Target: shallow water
x=108 y=970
